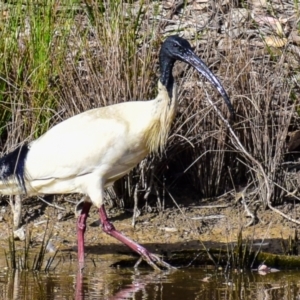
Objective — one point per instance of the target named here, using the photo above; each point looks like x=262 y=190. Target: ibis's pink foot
x=81 y=227
x=153 y=260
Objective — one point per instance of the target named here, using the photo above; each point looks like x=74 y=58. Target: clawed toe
x=155 y=262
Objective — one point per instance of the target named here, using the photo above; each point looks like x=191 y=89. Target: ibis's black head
x=176 y=48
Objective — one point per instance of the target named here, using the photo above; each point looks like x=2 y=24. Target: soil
x=211 y=224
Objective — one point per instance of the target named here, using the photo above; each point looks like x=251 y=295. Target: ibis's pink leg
x=79 y=291
x=109 y=228
x=81 y=226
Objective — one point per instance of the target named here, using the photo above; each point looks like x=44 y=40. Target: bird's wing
x=94 y=139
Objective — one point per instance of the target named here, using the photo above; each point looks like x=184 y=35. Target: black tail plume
x=12 y=165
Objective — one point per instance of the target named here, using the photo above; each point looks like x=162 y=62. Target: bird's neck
x=163 y=113
x=166 y=77
x=164 y=107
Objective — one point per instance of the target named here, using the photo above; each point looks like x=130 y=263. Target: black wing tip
x=13 y=165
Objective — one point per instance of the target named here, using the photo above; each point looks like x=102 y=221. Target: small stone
x=19 y=234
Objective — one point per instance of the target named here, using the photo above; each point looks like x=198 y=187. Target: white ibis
x=90 y=151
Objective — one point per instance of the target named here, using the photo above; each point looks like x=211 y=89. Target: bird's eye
x=175 y=45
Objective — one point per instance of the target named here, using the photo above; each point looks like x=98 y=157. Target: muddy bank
x=211 y=225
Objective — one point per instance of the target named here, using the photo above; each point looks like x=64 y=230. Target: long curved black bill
x=192 y=59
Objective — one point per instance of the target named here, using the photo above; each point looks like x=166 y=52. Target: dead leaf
x=270 y=21
x=275 y=41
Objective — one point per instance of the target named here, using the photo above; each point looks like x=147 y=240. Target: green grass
x=33 y=49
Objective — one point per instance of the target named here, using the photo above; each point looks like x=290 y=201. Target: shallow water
x=105 y=282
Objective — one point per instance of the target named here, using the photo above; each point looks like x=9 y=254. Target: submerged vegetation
x=28 y=258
